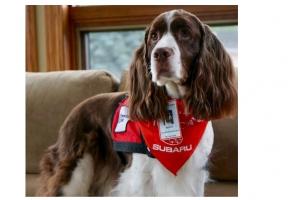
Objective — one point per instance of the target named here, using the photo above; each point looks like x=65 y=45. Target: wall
x=41 y=43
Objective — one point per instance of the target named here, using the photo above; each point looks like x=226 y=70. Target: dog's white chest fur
x=147 y=176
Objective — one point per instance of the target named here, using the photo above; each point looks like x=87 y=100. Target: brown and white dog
x=179 y=58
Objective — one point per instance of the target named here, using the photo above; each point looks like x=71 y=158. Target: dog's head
x=180 y=55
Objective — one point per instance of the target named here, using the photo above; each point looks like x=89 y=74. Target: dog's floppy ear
x=212 y=92
x=146 y=100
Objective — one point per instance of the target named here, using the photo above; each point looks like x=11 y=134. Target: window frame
x=108 y=18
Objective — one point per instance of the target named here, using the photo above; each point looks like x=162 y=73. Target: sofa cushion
x=221 y=189
x=223 y=163
x=224 y=156
x=32 y=184
x=50 y=96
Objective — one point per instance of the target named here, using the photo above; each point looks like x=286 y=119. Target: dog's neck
x=174 y=90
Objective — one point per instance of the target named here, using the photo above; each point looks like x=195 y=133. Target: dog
x=180 y=59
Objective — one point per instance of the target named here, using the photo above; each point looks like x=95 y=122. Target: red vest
x=172 y=142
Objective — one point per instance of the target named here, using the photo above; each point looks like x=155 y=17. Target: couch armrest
x=50 y=96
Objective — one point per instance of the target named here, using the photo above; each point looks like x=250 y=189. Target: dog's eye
x=184 y=33
x=154 y=36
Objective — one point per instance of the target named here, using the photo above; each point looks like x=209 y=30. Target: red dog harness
x=172 y=142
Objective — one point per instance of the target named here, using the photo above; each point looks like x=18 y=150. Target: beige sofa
x=50 y=96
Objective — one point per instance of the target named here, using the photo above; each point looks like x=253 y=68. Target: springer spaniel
x=181 y=59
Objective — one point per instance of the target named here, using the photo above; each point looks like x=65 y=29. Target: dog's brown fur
x=208 y=75
x=83 y=132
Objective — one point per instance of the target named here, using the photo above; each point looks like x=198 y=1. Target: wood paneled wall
x=31 y=40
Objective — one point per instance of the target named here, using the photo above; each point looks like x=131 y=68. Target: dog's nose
x=161 y=54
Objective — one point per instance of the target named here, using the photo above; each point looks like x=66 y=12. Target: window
x=90 y=27
x=228 y=35
x=113 y=50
